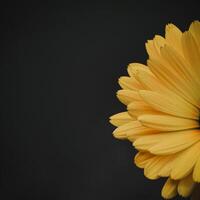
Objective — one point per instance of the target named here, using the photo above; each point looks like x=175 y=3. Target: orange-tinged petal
x=195 y=30
x=169 y=189
x=191 y=49
x=186 y=186
x=196 y=172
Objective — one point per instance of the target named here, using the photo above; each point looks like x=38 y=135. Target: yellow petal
x=169 y=189
x=167 y=122
x=191 y=49
x=139 y=131
x=196 y=172
x=173 y=73
x=169 y=165
x=195 y=30
x=142 y=158
x=149 y=81
x=134 y=67
x=151 y=50
x=153 y=46
x=177 y=67
x=122 y=131
x=132 y=130
x=128 y=83
x=167 y=143
x=173 y=36
x=162 y=167
x=138 y=107
x=170 y=104
x=186 y=186
x=128 y=96
x=185 y=162
x=154 y=165
x=120 y=119
x=159 y=42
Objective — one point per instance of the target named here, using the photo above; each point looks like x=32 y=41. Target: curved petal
x=122 y=131
x=133 y=67
x=196 y=172
x=185 y=162
x=169 y=189
x=128 y=96
x=195 y=30
x=171 y=72
x=169 y=165
x=170 y=105
x=167 y=143
x=167 y=122
x=173 y=36
x=129 y=83
x=132 y=130
x=149 y=81
x=137 y=108
x=191 y=49
x=154 y=166
x=153 y=46
x=140 y=131
x=162 y=168
x=142 y=158
x=121 y=119
x=186 y=186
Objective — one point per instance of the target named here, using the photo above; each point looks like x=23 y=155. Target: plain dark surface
x=59 y=68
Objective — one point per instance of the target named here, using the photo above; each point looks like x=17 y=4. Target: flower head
x=163 y=110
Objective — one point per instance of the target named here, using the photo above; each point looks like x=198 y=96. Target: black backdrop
x=60 y=62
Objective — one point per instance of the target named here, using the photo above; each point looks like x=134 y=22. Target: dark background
x=60 y=62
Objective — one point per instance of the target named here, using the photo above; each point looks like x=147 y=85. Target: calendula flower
x=163 y=111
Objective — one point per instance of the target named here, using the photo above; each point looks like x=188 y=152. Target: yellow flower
x=163 y=110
